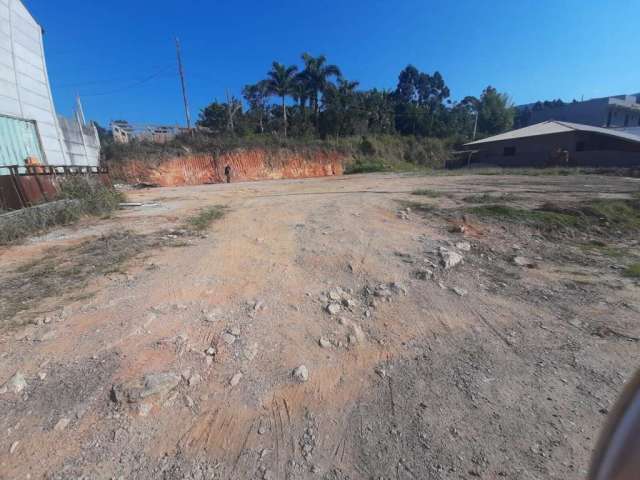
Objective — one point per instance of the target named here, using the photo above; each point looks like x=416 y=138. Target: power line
x=120 y=78
x=162 y=73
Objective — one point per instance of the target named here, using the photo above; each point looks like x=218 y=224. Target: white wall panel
x=25 y=91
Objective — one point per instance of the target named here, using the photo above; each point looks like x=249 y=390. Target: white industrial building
x=29 y=126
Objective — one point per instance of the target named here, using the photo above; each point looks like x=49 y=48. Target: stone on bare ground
x=463 y=246
x=450 y=258
x=334 y=295
x=194 y=380
x=334 y=308
x=17 y=383
x=152 y=384
x=228 y=338
x=324 y=343
x=524 y=262
x=301 y=374
x=235 y=380
x=212 y=316
x=62 y=424
x=459 y=291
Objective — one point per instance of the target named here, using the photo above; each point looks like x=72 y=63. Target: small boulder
x=228 y=338
x=334 y=295
x=62 y=424
x=334 y=308
x=463 y=246
x=324 y=343
x=301 y=374
x=523 y=262
x=450 y=258
x=152 y=384
x=194 y=380
x=17 y=383
x=235 y=380
x=459 y=291
x=211 y=352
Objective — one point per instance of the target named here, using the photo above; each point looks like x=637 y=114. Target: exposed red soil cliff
x=245 y=165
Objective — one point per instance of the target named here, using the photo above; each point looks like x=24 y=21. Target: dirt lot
x=176 y=359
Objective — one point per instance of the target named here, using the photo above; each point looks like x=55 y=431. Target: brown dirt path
x=507 y=381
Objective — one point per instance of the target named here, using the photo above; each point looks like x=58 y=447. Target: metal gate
x=18 y=141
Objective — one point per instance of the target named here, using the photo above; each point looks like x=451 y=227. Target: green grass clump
x=426 y=193
x=604 y=249
x=633 y=271
x=542 y=219
x=606 y=214
x=202 y=220
x=620 y=213
x=487 y=197
x=366 y=166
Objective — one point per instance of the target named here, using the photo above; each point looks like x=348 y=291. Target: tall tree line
x=316 y=100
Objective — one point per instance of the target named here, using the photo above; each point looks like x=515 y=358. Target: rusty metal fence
x=26 y=186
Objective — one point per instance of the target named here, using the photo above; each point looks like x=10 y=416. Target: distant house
x=29 y=126
x=558 y=143
x=616 y=111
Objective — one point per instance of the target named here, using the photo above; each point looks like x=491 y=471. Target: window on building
x=626 y=120
x=609 y=120
x=580 y=147
x=509 y=151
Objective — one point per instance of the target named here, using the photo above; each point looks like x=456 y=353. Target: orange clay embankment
x=254 y=164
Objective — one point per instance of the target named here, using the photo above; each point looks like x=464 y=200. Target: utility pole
x=184 y=87
x=475 y=126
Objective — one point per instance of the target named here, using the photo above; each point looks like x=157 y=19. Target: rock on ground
x=301 y=373
x=450 y=258
x=152 y=384
x=17 y=383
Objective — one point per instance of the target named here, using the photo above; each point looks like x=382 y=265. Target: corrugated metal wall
x=18 y=141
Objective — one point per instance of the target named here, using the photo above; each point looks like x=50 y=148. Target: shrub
x=365 y=166
x=95 y=197
x=79 y=195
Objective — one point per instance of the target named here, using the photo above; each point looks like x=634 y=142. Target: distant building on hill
x=610 y=112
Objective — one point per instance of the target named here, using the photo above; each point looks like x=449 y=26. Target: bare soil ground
x=121 y=353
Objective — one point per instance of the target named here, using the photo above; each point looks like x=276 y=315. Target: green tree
x=419 y=102
x=280 y=82
x=317 y=74
x=495 y=112
x=256 y=96
x=342 y=112
x=214 y=117
x=379 y=109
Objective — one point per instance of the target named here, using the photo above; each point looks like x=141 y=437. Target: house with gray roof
x=558 y=143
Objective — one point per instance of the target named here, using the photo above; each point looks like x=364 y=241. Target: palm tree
x=280 y=82
x=302 y=93
x=317 y=74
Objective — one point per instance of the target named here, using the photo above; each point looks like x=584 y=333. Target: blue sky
x=120 y=54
